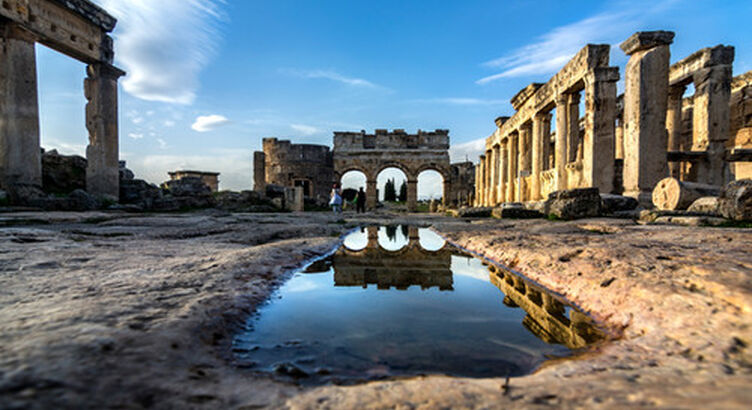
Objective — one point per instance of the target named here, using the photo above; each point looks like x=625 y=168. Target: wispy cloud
x=305 y=129
x=164 y=45
x=555 y=48
x=206 y=123
x=330 y=75
x=460 y=101
x=162 y=144
x=136 y=136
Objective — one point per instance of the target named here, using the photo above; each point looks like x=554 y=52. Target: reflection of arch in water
x=393 y=238
x=546 y=316
x=409 y=266
x=413 y=240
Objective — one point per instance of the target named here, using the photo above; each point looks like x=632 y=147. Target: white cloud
x=467 y=151
x=234 y=165
x=304 y=129
x=162 y=144
x=330 y=75
x=136 y=136
x=207 y=123
x=555 y=48
x=169 y=123
x=164 y=45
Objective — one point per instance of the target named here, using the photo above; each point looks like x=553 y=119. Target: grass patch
x=735 y=224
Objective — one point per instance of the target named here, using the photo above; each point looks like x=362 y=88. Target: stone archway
x=411 y=153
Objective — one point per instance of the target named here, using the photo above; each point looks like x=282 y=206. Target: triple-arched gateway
x=411 y=153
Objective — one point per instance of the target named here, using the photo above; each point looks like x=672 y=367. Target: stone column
x=574 y=148
x=489 y=173
x=447 y=192
x=600 y=115
x=562 y=132
x=482 y=181
x=259 y=171
x=539 y=128
x=101 y=91
x=371 y=194
x=710 y=119
x=673 y=124
x=619 y=134
x=511 y=166
x=522 y=162
x=20 y=154
x=476 y=198
x=645 y=105
x=497 y=174
x=412 y=194
x=546 y=142
x=503 y=161
x=492 y=158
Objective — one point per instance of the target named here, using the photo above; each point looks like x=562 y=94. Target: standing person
x=360 y=200
x=336 y=199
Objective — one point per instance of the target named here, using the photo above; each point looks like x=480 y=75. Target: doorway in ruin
x=396 y=178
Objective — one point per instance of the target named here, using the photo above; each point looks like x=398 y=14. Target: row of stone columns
x=20 y=151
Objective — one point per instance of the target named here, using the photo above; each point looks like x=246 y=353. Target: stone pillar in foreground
x=101 y=91
x=562 y=132
x=673 y=125
x=259 y=171
x=539 y=130
x=412 y=195
x=645 y=106
x=711 y=113
x=20 y=154
x=597 y=147
x=371 y=194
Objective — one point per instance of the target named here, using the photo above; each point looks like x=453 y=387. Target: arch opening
x=351 y=181
x=430 y=188
x=390 y=182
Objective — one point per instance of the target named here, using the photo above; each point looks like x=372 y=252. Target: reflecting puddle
x=398 y=301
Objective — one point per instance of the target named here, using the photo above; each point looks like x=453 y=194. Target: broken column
x=101 y=91
x=20 y=154
x=645 y=105
x=597 y=148
x=259 y=171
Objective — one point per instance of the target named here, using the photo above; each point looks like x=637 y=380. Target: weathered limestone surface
x=574 y=203
x=736 y=200
x=672 y=194
x=645 y=107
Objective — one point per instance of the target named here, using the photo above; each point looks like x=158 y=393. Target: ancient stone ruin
x=211 y=179
x=76 y=28
x=410 y=153
x=622 y=144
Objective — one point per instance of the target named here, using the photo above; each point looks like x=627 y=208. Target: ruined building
x=294 y=165
x=623 y=144
x=211 y=179
x=76 y=28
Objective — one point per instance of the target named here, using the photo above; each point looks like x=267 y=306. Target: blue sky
x=208 y=79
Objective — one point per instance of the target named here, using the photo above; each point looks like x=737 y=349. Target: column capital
x=645 y=40
x=562 y=99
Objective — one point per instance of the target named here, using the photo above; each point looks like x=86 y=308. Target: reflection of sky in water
x=429 y=240
x=469 y=267
x=356 y=240
x=392 y=238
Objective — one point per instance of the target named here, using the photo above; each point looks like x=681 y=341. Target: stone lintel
x=91 y=12
x=682 y=71
x=524 y=94
x=645 y=40
x=741 y=81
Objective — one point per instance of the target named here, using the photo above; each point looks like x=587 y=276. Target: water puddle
x=398 y=301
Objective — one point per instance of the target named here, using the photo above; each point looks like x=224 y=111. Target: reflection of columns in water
x=412 y=236
x=373 y=237
x=20 y=156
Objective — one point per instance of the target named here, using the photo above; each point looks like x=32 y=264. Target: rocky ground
x=109 y=310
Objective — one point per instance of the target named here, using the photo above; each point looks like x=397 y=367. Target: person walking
x=360 y=200
x=335 y=199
